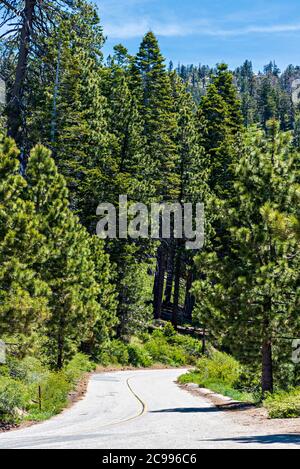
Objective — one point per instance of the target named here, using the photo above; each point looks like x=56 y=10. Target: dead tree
x=24 y=23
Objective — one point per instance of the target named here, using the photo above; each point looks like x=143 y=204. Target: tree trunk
x=60 y=349
x=267 y=367
x=204 y=341
x=170 y=276
x=267 y=356
x=176 y=288
x=189 y=298
x=55 y=96
x=15 y=121
x=159 y=282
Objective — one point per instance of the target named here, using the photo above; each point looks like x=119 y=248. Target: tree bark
x=204 y=341
x=176 y=288
x=170 y=277
x=159 y=282
x=267 y=367
x=267 y=355
x=60 y=351
x=55 y=96
x=15 y=121
x=189 y=298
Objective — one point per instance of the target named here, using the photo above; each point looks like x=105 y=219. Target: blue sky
x=208 y=31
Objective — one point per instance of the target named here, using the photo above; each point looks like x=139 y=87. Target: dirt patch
x=6 y=427
x=9 y=427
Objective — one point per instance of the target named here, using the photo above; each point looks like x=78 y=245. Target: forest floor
x=147 y=409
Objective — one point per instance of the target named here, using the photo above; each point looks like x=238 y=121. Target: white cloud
x=271 y=29
x=137 y=28
x=133 y=18
x=131 y=29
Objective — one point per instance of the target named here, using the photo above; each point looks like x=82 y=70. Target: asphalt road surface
x=144 y=410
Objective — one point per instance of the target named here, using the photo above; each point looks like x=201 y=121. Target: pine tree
x=220 y=123
x=26 y=21
x=130 y=177
x=23 y=295
x=106 y=319
x=69 y=269
x=223 y=81
x=246 y=87
x=125 y=125
x=267 y=101
x=69 y=113
x=192 y=174
x=249 y=294
x=151 y=82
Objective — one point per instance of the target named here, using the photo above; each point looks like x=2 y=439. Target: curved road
x=143 y=410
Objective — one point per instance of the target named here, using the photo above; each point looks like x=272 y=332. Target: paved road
x=144 y=410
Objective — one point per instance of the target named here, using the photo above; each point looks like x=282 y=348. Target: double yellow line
x=142 y=412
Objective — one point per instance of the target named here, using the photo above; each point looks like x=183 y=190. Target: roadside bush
x=29 y=370
x=55 y=389
x=79 y=365
x=283 y=405
x=13 y=397
x=192 y=346
x=220 y=367
x=20 y=381
x=221 y=374
x=138 y=356
x=162 y=352
x=114 y=352
x=169 y=331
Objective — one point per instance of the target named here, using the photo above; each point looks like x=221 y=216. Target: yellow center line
x=142 y=412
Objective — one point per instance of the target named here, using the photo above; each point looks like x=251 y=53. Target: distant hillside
x=264 y=95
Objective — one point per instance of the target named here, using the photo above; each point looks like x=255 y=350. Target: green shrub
x=283 y=405
x=55 y=389
x=138 y=356
x=20 y=381
x=31 y=370
x=191 y=346
x=169 y=331
x=79 y=365
x=219 y=368
x=219 y=387
x=162 y=352
x=13 y=396
x=113 y=353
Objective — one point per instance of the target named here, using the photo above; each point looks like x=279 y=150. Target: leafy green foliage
x=114 y=352
x=283 y=405
x=162 y=346
x=23 y=294
x=19 y=387
x=219 y=387
x=220 y=367
x=69 y=269
x=222 y=374
x=138 y=356
x=13 y=396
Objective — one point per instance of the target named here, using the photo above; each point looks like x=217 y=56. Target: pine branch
x=11 y=8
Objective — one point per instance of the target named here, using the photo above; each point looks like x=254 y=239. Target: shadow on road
x=263 y=439
x=186 y=410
